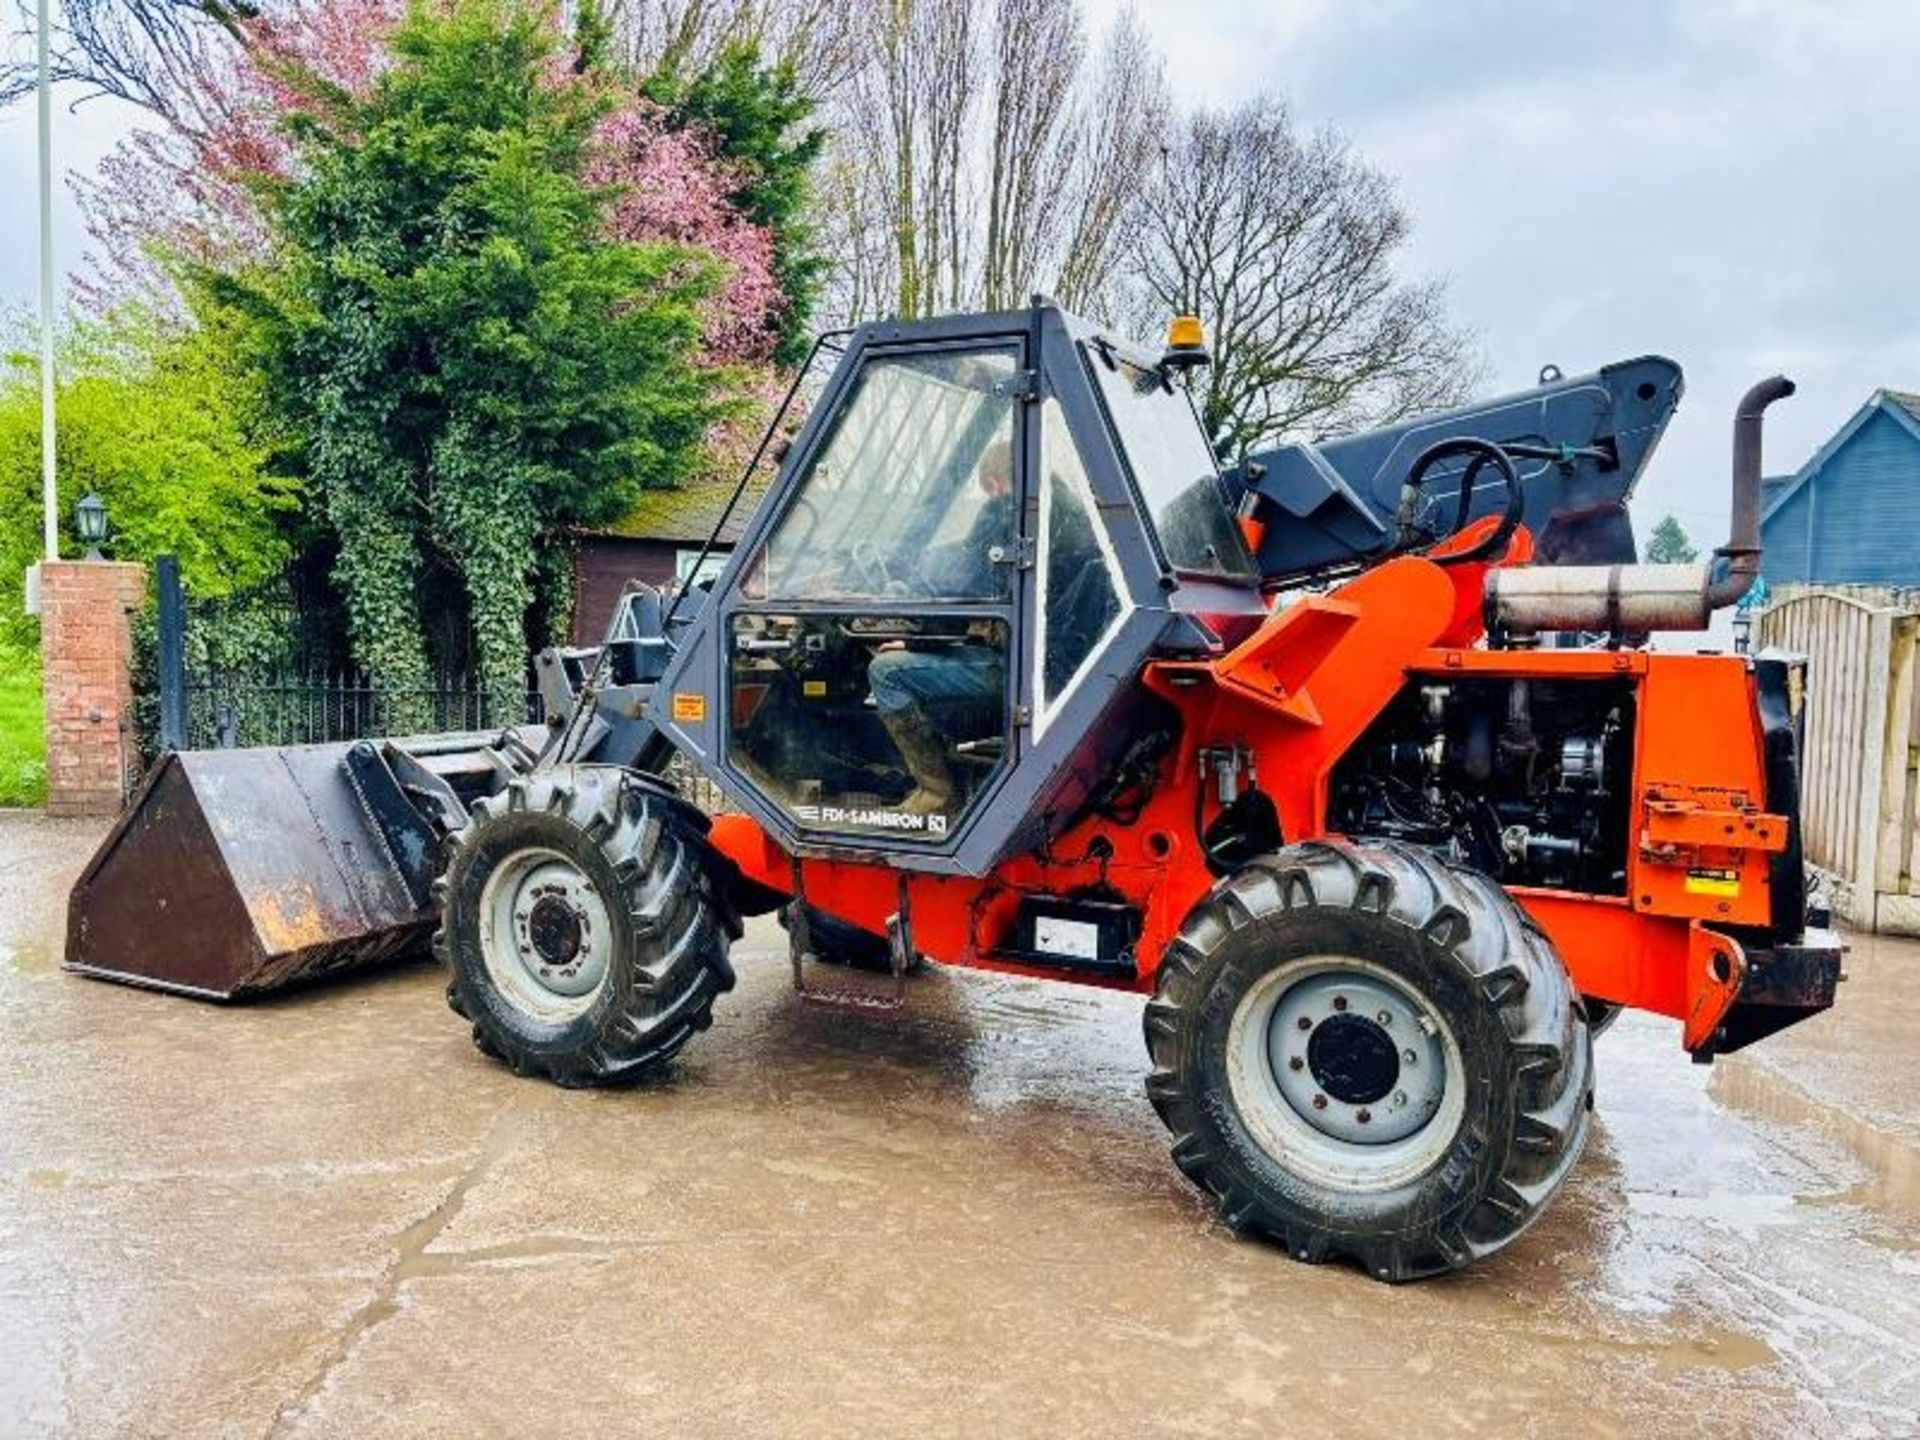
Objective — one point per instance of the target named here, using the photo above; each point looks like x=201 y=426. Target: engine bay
x=1527 y=780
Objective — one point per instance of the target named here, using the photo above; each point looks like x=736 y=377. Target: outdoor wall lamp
x=90 y=520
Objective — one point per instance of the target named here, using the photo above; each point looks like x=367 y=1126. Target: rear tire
x=581 y=928
x=1362 y=1051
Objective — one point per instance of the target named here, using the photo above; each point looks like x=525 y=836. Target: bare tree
x=1123 y=117
x=146 y=52
x=904 y=123
x=995 y=152
x=1287 y=247
x=858 y=250
x=817 y=37
x=1032 y=145
x=950 y=50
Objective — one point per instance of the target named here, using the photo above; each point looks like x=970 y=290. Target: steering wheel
x=867 y=567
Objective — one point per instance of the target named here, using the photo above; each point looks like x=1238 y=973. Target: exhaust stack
x=1528 y=600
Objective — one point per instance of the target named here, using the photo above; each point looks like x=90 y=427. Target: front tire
x=582 y=932
x=1362 y=1051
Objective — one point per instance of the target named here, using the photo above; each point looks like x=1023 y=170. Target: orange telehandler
x=1353 y=761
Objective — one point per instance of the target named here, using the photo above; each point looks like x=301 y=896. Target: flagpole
x=49 y=494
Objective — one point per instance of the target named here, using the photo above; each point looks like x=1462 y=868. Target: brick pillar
x=86 y=649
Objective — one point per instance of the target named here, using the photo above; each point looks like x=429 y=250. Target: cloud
x=1729 y=182
x=1733 y=183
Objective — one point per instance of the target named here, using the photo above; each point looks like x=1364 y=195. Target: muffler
x=1528 y=600
x=235 y=872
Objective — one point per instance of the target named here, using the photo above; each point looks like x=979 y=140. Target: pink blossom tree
x=185 y=189
x=671 y=186
x=189 y=190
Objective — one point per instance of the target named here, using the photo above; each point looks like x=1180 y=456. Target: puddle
x=1726 y=1350
x=1892 y=1163
x=1747 y=1214
x=1718 y=1347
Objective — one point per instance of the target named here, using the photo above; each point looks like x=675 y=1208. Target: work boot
x=925 y=752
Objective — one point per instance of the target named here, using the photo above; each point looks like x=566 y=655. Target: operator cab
x=985 y=528
x=872 y=642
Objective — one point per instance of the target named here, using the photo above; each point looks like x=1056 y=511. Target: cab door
x=871 y=669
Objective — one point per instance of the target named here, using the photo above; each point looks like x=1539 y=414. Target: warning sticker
x=1075 y=939
x=690 y=706
x=1713 y=882
x=813 y=689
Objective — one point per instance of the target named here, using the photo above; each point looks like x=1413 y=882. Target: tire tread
x=678 y=965
x=1513 y=968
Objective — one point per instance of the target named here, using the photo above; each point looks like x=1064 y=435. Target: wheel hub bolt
x=1319 y=1102
x=1296 y=1063
x=1339 y=1002
x=1305 y=1023
x=1409 y=1057
x=1364 y=1116
x=1399 y=1097
x=1385 y=1017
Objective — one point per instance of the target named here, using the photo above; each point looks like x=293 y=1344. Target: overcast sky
x=1731 y=183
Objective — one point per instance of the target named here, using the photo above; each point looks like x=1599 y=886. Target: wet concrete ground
x=329 y=1216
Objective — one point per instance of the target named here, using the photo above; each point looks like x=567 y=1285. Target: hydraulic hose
x=1484 y=453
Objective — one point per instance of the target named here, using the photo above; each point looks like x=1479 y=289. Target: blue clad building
x=1851 y=514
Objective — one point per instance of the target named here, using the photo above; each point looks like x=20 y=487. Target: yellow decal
x=813 y=689
x=690 y=706
x=1713 y=882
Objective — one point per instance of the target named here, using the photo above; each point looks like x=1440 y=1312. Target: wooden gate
x=1860 y=759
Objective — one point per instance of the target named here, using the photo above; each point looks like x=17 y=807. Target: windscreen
x=911 y=493
x=1173 y=468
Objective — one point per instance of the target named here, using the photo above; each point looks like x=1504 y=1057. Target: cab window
x=1079 y=587
x=911 y=493
x=869 y=685
x=873 y=723
x=1172 y=467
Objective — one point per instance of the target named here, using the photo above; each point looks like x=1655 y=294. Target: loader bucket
x=236 y=872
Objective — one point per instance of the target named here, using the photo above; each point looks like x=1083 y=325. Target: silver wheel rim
x=545 y=935
x=1307 y=1070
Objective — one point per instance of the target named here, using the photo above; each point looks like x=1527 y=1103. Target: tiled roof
x=687 y=514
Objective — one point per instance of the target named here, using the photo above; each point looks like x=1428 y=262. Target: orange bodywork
x=1296 y=695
